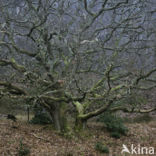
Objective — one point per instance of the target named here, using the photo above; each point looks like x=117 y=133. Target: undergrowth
x=41 y=119
x=99 y=146
x=114 y=124
x=23 y=149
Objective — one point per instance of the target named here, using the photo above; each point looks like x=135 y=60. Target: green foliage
x=113 y=124
x=41 y=118
x=23 y=149
x=101 y=147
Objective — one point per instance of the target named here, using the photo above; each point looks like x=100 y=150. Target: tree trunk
x=80 y=124
x=56 y=119
x=59 y=117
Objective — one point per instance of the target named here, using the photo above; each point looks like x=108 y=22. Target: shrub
x=101 y=147
x=23 y=149
x=113 y=124
x=41 y=118
x=116 y=135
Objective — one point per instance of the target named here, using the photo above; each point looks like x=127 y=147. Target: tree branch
x=86 y=8
x=13 y=63
x=103 y=79
x=13 y=89
x=98 y=111
x=144 y=76
x=127 y=110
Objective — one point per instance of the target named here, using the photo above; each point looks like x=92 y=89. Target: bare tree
x=90 y=54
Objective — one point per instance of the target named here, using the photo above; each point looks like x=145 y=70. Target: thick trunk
x=56 y=120
x=59 y=117
x=80 y=123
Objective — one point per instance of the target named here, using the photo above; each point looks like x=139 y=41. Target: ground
x=43 y=141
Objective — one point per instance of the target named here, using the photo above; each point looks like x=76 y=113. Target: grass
x=24 y=117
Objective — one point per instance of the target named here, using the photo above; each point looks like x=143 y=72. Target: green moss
x=79 y=107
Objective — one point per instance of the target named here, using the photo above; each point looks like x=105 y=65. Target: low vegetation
x=101 y=147
x=114 y=124
x=23 y=149
x=41 y=118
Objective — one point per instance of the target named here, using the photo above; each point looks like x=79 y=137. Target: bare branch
x=98 y=111
x=14 y=64
x=86 y=8
x=13 y=89
x=141 y=77
x=103 y=79
x=127 y=110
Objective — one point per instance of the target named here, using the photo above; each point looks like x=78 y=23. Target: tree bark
x=80 y=124
x=56 y=119
x=58 y=114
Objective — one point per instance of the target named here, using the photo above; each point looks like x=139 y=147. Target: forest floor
x=43 y=141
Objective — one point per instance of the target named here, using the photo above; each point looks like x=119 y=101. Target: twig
x=41 y=138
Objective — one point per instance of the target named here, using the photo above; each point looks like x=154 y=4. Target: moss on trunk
x=80 y=123
x=58 y=114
